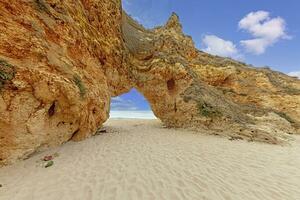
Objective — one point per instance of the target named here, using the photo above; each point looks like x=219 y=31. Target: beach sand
x=139 y=159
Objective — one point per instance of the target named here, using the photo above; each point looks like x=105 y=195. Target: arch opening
x=131 y=105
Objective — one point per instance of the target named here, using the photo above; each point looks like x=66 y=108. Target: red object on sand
x=47 y=158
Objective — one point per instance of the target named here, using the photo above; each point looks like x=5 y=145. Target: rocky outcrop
x=56 y=57
x=62 y=61
x=195 y=89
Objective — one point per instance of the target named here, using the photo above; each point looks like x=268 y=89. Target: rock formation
x=62 y=61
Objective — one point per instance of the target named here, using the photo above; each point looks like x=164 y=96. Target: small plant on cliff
x=41 y=5
x=207 y=110
x=7 y=72
x=292 y=91
x=77 y=80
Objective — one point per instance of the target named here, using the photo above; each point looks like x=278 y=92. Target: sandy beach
x=139 y=159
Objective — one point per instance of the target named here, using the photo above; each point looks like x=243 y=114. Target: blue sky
x=258 y=32
x=131 y=101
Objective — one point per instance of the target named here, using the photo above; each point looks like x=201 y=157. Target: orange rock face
x=62 y=61
x=56 y=56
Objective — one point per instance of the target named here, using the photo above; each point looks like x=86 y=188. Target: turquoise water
x=132 y=115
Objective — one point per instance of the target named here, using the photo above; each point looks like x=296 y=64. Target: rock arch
x=62 y=61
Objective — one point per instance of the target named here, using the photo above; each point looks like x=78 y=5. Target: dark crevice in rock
x=51 y=110
x=171 y=84
x=74 y=134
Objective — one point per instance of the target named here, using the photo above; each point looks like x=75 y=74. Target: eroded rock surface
x=55 y=57
x=190 y=88
x=62 y=61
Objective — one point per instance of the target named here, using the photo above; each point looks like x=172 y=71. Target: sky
x=258 y=32
x=131 y=101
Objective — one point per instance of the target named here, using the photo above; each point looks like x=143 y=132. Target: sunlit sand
x=139 y=159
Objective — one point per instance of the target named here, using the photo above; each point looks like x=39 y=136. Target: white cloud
x=260 y=25
x=295 y=74
x=265 y=30
x=257 y=46
x=217 y=46
x=118 y=103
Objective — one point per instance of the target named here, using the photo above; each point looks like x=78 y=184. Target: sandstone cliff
x=62 y=61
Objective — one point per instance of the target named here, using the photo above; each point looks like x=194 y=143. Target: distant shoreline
x=135 y=114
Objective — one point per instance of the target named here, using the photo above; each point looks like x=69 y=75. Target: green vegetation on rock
x=207 y=110
x=42 y=5
x=82 y=89
x=7 y=72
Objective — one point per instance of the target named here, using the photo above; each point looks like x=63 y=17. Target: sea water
x=132 y=114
